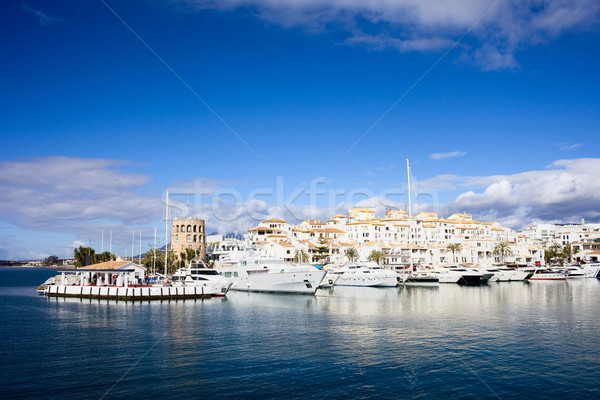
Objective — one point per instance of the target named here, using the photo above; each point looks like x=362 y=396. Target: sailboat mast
x=154 y=255
x=166 y=233
x=132 y=243
x=409 y=216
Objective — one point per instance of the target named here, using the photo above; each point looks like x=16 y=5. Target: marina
x=508 y=340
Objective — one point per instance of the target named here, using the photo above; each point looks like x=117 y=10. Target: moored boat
x=422 y=278
x=547 y=274
x=462 y=276
x=255 y=273
x=197 y=274
x=364 y=275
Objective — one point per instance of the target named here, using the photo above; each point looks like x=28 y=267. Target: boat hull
x=367 y=282
x=296 y=283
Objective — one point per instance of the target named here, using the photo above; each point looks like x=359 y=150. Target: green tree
x=454 y=248
x=79 y=254
x=190 y=254
x=351 y=253
x=181 y=260
x=502 y=248
x=50 y=260
x=160 y=261
x=105 y=256
x=553 y=253
x=567 y=252
x=300 y=256
x=377 y=255
x=321 y=251
x=148 y=260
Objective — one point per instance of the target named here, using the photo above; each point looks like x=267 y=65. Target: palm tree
x=377 y=256
x=567 y=252
x=554 y=251
x=106 y=256
x=80 y=255
x=300 y=256
x=351 y=253
x=454 y=248
x=190 y=254
x=503 y=248
x=149 y=258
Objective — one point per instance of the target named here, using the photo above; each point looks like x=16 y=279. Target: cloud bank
x=81 y=196
x=427 y=25
x=566 y=191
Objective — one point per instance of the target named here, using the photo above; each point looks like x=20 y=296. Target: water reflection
x=511 y=338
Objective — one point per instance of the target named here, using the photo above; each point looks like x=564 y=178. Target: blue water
x=506 y=340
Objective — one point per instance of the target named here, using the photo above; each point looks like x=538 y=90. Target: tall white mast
x=154 y=255
x=140 y=256
x=110 y=242
x=166 y=233
x=409 y=216
x=132 y=243
x=102 y=251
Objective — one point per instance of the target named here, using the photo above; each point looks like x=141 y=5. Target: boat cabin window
x=204 y=272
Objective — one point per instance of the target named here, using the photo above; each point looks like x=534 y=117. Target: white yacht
x=255 y=273
x=546 y=274
x=421 y=278
x=330 y=277
x=592 y=270
x=572 y=271
x=197 y=274
x=364 y=275
x=462 y=276
x=506 y=274
x=494 y=274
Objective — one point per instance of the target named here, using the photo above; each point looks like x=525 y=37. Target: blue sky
x=96 y=127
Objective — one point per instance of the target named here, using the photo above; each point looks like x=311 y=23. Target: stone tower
x=188 y=233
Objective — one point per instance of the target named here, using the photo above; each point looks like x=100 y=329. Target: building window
x=194 y=230
x=177 y=238
x=195 y=239
x=189 y=238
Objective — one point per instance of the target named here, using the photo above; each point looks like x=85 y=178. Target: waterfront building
x=421 y=239
x=188 y=233
x=584 y=238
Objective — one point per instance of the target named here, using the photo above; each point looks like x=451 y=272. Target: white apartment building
x=584 y=238
x=421 y=239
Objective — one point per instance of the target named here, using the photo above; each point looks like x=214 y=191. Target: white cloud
x=63 y=194
x=428 y=25
x=82 y=196
x=442 y=156
x=565 y=191
x=571 y=146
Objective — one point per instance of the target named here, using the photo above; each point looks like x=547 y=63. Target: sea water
x=505 y=340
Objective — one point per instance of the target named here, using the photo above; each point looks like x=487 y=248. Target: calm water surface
x=505 y=340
